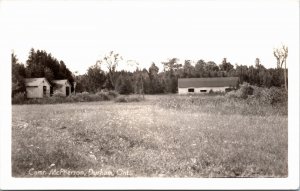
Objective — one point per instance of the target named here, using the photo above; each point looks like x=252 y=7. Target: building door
x=44 y=90
x=51 y=91
x=67 y=91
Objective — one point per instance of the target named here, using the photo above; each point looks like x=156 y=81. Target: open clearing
x=146 y=139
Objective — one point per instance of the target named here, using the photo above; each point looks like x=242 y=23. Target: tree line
x=39 y=64
x=146 y=80
x=151 y=81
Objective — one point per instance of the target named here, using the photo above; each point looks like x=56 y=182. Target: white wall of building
x=62 y=89
x=37 y=91
x=197 y=90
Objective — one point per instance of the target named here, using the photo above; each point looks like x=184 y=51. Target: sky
x=82 y=32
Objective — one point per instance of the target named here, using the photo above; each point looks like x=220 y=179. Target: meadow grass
x=162 y=136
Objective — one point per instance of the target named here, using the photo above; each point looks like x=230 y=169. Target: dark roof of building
x=208 y=82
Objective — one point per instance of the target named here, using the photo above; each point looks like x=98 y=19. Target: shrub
x=259 y=95
x=103 y=96
x=214 y=93
x=59 y=97
x=58 y=94
x=72 y=98
x=34 y=101
x=121 y=99
x=243 y=92
x=84 y=96
x=127 y=99
x=272 y=95
x=113 y=93
x=19 y=98
x=233 y=94
x=93 y=97
x=134 y=99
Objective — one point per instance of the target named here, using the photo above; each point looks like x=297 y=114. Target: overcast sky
x=81 y=32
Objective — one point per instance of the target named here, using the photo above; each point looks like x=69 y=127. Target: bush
x=243 y=92
x=259 y=95
x=19 y=98
x=72 y=98
x=113 y=93
x=84 y=96
x=272 y=95
x=121 y=99
x=79 y=97
x=134 y=99
x=126 y=99
x=35 y=101
x=58 y=94
x=214 y=93
x=103 y=96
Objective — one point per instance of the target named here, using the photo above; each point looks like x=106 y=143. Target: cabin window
x=191 y=90
x=203 y=90
x=44 y=90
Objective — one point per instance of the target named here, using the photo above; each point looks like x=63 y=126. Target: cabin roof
x=62 y=82
x=208 y=82
x=35 y=81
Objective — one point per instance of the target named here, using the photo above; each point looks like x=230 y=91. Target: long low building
x=205 y=85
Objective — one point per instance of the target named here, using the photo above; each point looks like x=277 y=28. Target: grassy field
x=163 y=136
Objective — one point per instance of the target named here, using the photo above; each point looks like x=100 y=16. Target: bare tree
x=281 y=55
x=111 y=61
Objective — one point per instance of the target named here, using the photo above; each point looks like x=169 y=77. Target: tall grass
x=239 y=134
x=248 y=100
x=61 y=98
x=164 y=136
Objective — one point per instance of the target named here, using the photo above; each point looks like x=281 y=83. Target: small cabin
x=37 y=87
x=205 y=85
x=63 y=86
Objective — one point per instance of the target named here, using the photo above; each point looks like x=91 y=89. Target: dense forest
x=147 y=80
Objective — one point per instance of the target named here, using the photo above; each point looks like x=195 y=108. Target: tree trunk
x=142 y=87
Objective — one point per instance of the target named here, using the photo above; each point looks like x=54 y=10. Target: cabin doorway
x=67 y=91
x=44 y=90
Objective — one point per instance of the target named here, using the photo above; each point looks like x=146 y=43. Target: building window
x=191 y=90
x=203 y=90
x=228 y=89
x=44 y=90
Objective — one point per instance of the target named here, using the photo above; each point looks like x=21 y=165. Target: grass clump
x=113 y=93
x=19 y=98
x=128 y=99
x=59 y=97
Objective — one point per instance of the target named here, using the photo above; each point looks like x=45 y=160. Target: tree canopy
x=142 y=80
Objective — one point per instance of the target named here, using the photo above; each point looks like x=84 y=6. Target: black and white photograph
x=166 y=91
